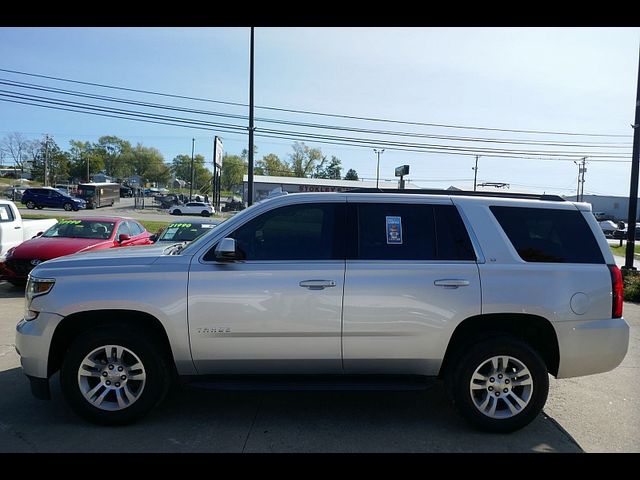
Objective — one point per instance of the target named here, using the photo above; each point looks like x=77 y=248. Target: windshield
x=97 y=229
x=184 y=232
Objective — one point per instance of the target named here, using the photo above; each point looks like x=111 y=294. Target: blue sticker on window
x=394 y=230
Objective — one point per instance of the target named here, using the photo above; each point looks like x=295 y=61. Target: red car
x=71 y=236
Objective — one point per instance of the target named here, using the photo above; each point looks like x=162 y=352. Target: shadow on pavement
x=9 y=291
x=195 y=420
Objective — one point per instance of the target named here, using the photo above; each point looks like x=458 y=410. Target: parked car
x=71 y=236
x=608 y=227
x=185 y=231
x=14 y=229
x=192 y=208
x=490 y=294
x=126 y=192
x=41 y=197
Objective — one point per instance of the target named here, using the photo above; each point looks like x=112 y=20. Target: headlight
x=6 y=255
x=35 y=288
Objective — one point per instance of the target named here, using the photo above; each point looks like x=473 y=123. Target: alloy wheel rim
x=501 y=387
x=111 y=377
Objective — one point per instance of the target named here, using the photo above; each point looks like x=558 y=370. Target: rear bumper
x=588 y=347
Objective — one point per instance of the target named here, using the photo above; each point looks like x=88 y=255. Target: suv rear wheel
x=114 y=375
x=500 y=384
x=67 y=206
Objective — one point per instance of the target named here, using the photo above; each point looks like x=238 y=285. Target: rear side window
x=546 y=235
x=393 y=231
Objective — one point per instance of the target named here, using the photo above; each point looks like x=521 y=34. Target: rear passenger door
x=411 y=277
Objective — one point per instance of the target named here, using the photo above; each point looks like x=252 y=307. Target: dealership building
x=263 y=185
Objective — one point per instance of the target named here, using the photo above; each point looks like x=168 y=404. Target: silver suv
x=490 y=294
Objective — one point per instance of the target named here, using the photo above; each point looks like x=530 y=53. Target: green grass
x=622 y=251
x=151 y=225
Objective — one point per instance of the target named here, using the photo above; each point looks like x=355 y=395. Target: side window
x=395 y=231
x=549 y=235
x=6 y=215
x=123 y=228
x=135 y=228
x=295 y=232
x=452 y=239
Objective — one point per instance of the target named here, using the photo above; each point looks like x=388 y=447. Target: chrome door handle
x=451 y=283
x=317 y=284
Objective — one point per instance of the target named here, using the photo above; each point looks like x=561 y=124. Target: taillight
x=617 y=290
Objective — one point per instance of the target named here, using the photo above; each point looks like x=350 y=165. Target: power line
x=324 y=139
x=308 y=112
x=307 y=124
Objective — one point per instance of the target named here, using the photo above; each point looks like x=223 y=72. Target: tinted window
x=295 y=232
x=452 y=239
x=394 y=231
x=545 y=235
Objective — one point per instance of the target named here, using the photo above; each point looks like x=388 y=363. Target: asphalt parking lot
x=599 y=413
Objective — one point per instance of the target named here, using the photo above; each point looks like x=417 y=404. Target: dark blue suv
x=50 y=197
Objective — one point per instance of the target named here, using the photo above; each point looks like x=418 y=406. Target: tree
x=148 y=162
x=17 y=149
x=351 y=175
x=181 y=166
x=49 y=159
x=233 y=168
x=115 y=152
x=304 y=160
x=272 y=165
x=333 y=170
x=80 y=154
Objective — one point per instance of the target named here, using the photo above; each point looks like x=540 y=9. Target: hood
x=46 y=248
x=113 y=257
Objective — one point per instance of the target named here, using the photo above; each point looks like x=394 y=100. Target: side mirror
x=226 y=250
x=153 y=238
x=39 y=233
x=123 y=237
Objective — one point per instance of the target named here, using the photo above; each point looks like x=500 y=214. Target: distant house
x=177 y=183
x=101 y=178
x=134 y=181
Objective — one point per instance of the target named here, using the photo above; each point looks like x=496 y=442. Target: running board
x=310 y=382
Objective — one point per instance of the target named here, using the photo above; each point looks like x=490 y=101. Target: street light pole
x=378 y=152
x=633 y=192
x=251 y=128
x=193 y=144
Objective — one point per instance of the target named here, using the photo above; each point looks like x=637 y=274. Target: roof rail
x=465 y=193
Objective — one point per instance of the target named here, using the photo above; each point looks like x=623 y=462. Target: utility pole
x=581 y=171
x=633 y=193
x=193 y=144
x=251 y=128
x=378 y=152
x=475 y=174
x=46 y=159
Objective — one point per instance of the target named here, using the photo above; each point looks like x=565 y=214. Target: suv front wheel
x=114 y=375
x=500 y=384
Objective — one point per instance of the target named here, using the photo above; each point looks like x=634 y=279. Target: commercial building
x=263 y=185
x=617 y=207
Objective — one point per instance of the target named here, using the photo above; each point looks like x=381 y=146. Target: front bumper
x=33 y=342
x=7 y=273
x=588 y=347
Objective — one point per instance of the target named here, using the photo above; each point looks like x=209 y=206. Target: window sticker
x=394 y=230
x=69 y=222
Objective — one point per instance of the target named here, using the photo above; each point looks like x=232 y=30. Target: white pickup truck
x=14 y=229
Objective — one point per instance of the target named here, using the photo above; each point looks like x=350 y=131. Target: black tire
x=67 y=206
x=157 y=382
x=18 y=283
x=30 y=204
x=205 y=213
x=479 y=354
x=176 y=212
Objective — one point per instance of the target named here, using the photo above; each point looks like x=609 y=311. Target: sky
x=503 y=85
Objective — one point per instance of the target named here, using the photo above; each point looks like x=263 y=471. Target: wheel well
x=532 y=329
x=77 y=323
